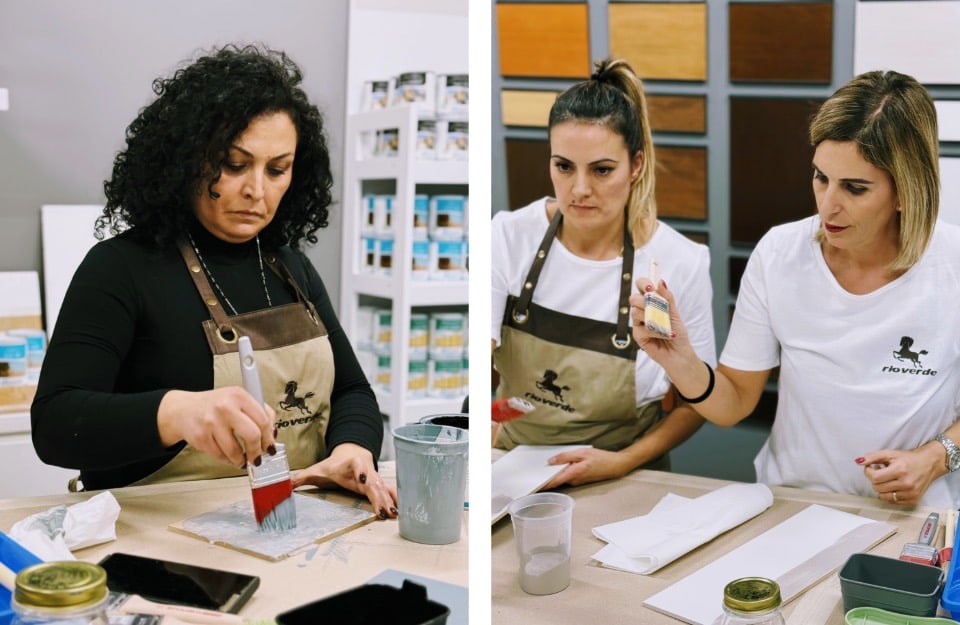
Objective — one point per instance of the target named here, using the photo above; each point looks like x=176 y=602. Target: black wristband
x=706 y=393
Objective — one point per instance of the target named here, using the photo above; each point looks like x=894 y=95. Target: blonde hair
x=892 y=119
x=614 y=97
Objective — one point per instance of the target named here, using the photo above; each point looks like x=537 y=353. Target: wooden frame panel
x=662 y=41
x=546 y=40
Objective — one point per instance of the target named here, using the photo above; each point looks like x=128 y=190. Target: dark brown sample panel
x=781 y=42
x=528 y=171
x=770 y=164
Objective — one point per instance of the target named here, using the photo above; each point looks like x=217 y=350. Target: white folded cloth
x=677 y=525
x=55 y=533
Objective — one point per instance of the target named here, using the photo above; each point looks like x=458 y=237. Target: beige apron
x=578 y=372
x=295 y=363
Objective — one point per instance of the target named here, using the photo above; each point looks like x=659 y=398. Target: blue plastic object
x=16 y=558
x=950 y=599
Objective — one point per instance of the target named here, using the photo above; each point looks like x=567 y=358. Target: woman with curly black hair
x=223 y=177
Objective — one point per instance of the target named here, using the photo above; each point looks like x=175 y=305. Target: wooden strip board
x=663 y=41
x=526 y=108
x=782 y=41
x=235 y=527
x=682 y=182
x=678 y=113
x=543 y=40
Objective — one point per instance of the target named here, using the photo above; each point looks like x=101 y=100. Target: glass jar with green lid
x=751 y=601
x=63 y=593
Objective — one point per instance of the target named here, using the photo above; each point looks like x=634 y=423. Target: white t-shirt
x=858 y=373
x=590 y=288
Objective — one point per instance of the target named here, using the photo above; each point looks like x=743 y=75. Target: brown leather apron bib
x=579 y=373
x=296 y=369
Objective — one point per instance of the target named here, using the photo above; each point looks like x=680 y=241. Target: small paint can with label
x=419 y=336
x=417 y=379
x=384 y=257
x=420 y=263
x=368 y=255
x=36 y=344
x=421 y=217
x=444 y=377
x=382 y=330
x=13 y=360
x=447 y=332
x=447 y=215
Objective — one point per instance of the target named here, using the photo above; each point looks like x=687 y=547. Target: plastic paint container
x=382 y=330
x=417 y=379
x=426 y=139
x=453 y=95
x=385 y=257
x=383 y=372
x=388 y=142
x=376 y=95
x=447 y=260
x=418 y=89
x=454 y=143
x=445 y=377
x=421 y=217
x=368 y=254
x=447 y=217
x=447 y=332
x=36 y=344
x=13 y=360
x=420 y=263
x=419 y=336
x=891 y=584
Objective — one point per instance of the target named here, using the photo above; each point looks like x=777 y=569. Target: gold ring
x=894 y=496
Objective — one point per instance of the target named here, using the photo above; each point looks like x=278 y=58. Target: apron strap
x=217 y=313
x=277 y=266
x=621 y=340
x=521 y=310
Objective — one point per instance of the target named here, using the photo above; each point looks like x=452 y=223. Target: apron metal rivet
x=541 y=254
x=195 y=268
x=626 y=276
x=624 y=310
x=212 y=302
x=528 y=286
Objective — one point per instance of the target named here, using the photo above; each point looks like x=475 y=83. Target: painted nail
x=258 y=461
x=860 y=460
x=363 y=478
x=275 y=432
x=394 y=511
x=272 y=450
x=664 y=283
x=383 y=513
x=648 y=288
x=673 y=335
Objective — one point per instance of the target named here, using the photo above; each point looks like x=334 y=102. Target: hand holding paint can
x=270 y=484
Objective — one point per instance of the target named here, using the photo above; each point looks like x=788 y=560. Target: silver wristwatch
x=953 y=452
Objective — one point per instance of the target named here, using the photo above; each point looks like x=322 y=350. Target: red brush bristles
x=269 y=505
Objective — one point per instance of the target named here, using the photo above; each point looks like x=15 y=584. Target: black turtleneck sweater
x=129 y=330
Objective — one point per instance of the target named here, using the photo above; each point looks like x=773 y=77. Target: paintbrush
x=270 y=484
x=656 y=310
x=923 y=551
x=509 y=408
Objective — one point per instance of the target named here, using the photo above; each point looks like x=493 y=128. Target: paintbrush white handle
x=7 y=577
x=248 y=369
x=136 y=604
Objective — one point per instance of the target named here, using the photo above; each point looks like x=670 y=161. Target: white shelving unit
x=22 y=473
x=404 y=174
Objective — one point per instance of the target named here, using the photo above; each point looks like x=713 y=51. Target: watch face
x=954 y=460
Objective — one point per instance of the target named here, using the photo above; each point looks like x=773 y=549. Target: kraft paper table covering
x=602 y=595
x=339 y=564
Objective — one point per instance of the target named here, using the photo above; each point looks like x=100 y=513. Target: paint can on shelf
x=13 y=360
x=447 y=217
x=447 y=332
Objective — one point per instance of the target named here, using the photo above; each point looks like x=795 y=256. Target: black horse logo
x=904 y=352
x=547 y=386
x=292 y=401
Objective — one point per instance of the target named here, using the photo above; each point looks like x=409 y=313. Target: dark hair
x=614 y=97
x=893 y=121
x=183 y=136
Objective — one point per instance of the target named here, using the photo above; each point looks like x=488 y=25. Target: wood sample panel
x=526 y=108
x=663 y=41
x=544 y=40
x=681 y=182
x=678 y=113
x=782 y=42
x=528 y=171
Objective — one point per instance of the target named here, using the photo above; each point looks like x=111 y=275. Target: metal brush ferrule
x=273 y=468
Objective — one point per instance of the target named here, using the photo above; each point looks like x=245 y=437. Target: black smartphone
x=165 y=581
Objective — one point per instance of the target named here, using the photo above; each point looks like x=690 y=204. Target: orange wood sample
x=548 y=40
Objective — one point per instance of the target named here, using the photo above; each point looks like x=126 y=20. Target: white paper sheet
x=521 y=471
x=800 y=551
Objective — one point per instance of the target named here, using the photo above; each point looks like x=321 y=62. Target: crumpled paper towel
x=53 y=534
x=677 y=525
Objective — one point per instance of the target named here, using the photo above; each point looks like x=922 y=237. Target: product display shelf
x=402 y=174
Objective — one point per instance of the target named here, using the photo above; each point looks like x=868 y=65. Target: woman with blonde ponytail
x=563 y=271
